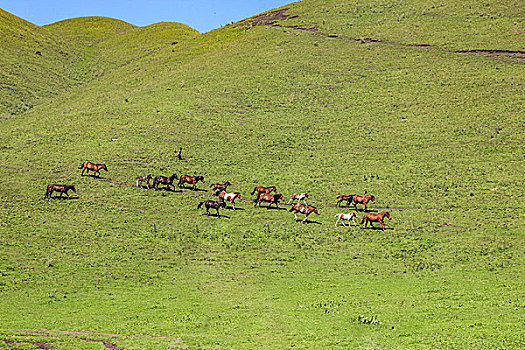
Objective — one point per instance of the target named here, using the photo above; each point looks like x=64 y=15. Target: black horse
x=212 y=204
x=168 y=181
x=59 y=188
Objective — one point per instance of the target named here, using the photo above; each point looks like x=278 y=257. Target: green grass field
x=377 y=101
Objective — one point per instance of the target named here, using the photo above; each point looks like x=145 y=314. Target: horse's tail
x=47 y=192
x=336 y=215
x=82 y=166
x=253 y=192
x=200 y=204
x=362 y=220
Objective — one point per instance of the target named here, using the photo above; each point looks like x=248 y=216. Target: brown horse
x=230 y=197
x=303 y=209
x=262 y=189
x=269 y=198
x=59 y=188
x=220 y=187
x=87 y=166
x=363 y=200
x=345 y=197
x=190 y=180
x=168 y=181
x=377 y=217
x=141 y=179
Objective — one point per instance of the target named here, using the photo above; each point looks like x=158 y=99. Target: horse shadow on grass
x=274 y=208
x=376 y=228
x=216 y=215
x=312 y=222
x=64 y=198
x=167 y=189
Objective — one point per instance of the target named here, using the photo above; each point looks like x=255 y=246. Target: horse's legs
x=382 y=224
x=233 y=206
x=218 y=215
x=352 y=222
x=339 y=217
x=305 y=218
x=295 y=216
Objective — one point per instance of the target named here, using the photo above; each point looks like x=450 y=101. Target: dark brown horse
x=269 y=198
x=363 y=200
x=212 y=204
x=59 y=188
x=220 y=187
x=168 y=181
x=303 y=209
x=375 y=217
x=262 y=189
x=141 y=179
x=190 y=180
x=345 y=197
x=95 y=168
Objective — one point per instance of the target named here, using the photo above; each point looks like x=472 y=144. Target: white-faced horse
x=224 y=196
x=343 y=217
x=299 y=197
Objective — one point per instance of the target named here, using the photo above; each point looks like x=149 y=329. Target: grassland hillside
x=89 y=30
x=424 y=114
x=34 y=64
x=39 y=63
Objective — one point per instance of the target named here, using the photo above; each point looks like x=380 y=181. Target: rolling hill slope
x=310 y=98
x=34 y=64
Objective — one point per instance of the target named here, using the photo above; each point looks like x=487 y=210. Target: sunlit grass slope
x=34 y=64
x=89 y=30
x=436 y=136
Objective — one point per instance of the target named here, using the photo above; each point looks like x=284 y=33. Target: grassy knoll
x=435 y=135
x=34 y=65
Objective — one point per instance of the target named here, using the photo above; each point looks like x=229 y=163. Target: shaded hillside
x=37 y=63
x=34 y=64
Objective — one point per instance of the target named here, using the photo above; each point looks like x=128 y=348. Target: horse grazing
x=141 y=179
x=230 y=197
x=212 y=204
x=59 y=188
x=190 y=180
x=269 y=198
x=363 y=200
x=262 y=189
x=299 y=197
x=303 y=209
x=168 y=181
x=345 y=197
x=378 y=217
x=220 y=187
x=87 y=166
x=343 y=217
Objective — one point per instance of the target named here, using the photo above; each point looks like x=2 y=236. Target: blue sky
x=202 y=15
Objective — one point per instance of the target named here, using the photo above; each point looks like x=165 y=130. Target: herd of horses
x=262 y=195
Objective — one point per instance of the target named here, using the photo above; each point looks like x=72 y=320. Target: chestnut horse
x=378 y=217
x=212 y=204
x=190 y=180
x=140 y=179
x=262 y=189
x=299 y=197
x=269 y=198
x=343 y=217
x=220 y=187
x=345 y=197
x=87 y=166
x=230 y=197
x=59 y=188
x=303 y=209
x=168 y=181
x=363 y=200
